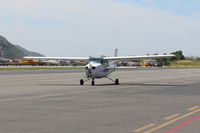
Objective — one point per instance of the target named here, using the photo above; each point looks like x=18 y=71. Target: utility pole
x=116 y=52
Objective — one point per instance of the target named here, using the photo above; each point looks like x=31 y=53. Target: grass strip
x=185 y=64
x=22 y=68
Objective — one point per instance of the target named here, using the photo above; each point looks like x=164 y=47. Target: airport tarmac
x=146 y=101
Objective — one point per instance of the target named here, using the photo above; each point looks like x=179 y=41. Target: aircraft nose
x=90 y=67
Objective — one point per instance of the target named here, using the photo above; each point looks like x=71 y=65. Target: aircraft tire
x=117 y=82
x=93 y=83
x=81 y=82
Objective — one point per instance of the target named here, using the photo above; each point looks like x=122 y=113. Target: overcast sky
x=96 y=27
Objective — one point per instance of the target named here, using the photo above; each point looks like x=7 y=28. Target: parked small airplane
x=101 y=67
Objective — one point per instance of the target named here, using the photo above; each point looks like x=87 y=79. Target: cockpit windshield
x=99 y=60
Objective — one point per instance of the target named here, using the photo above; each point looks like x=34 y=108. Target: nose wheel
x=117 y=82
x=81 y=82
x=93 y=82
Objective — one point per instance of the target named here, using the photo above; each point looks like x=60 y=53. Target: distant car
x=52 y=62
x=42 y=63
x=5 y=63
x=64 y=63
x=159 y=64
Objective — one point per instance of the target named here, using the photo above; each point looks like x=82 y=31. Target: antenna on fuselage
x=116 y=52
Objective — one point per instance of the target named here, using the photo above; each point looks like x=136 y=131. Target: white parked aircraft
x=101 y=67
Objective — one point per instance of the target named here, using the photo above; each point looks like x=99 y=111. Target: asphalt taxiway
x=146 y=101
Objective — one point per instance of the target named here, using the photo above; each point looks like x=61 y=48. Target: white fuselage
x=97 y=70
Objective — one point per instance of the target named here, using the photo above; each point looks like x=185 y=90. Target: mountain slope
x=8 y=50
x=27 y=52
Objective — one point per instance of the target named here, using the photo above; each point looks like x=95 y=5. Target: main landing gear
x=116 y=81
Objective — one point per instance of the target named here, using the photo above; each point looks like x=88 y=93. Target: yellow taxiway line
x=172 y=121
x=31 y=97
x=171 y=116
x=143 y=128
x=193 y=108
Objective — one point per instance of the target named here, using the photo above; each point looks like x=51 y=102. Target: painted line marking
x=143 y=128
x=46 y=96
x=183 y=124
x=31 y=97
x=193 y=108
x=172 y=121
x=171 y=116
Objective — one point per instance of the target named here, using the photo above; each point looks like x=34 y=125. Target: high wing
x=106 y=58
x=140 y=57
x=59 y=58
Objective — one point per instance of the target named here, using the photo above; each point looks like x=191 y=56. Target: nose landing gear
x=117 y=82
x=81 y=82
x=93 y=82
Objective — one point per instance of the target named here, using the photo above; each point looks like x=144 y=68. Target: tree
x=179 y=56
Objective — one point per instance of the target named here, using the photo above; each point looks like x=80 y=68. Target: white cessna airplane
x=101 y=67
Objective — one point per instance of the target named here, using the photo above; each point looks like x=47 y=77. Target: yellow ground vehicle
x=30 y=62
